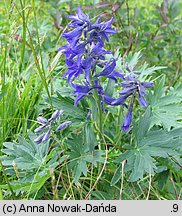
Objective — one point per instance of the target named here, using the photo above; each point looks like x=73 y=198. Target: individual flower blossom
x=40 y=128
x=109 y=68
x=107 y=99
x=97 y=50
x=74 y=70
x=120 y=100
x=128 y=119
x=109 y=71
x=55 y=115
x=47 y=124
x=63 y=126
x=38 y=140
x=46 y=135
x=42 y=120
x=100 y=31
x=73 y=35
x=81 y=91
x=79 y=18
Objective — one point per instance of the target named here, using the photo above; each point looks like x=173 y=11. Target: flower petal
x=40 y=128
x=128 y=119
x=55 y=115
x=38 y=140
x=78 y=98
x=42 y=120
x=47 y=135
x=142 y=101
x=62 y=126
x=147 y=84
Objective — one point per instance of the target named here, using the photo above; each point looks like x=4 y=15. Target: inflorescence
x=85 y=53
x=46 y=125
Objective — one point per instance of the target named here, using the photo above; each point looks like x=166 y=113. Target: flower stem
x=100 y=118
x=118 y=131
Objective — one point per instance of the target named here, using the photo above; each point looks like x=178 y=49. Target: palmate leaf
x=166 y=108
x=31 y=161
x=144 y=71
x=148 y=146
x=25 y=155
x=28 y=156
x=83 y=154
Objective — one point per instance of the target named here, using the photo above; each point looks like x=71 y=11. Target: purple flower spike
x=84 y=50
x=62 y=126
x=48 y=124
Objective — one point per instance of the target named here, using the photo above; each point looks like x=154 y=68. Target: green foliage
x=147 y=145
x=30 y=163
x=83 y=153
x=166 y=107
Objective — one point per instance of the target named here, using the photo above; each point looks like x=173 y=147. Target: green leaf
x=110 y=87
x=90 y=138
x=32 y=186
x=117 y=175
x=143 y=124
x=166 y=107
x=133 y=59
x=94 y=112
x=146 y=71
x=162 y=178
x=80 y=155
x=141 y=159
x=67 y=105
x=27 y=155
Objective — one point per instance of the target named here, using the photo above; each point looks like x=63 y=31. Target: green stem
x=99 y=120
x=119 y=120
x=100 y=113
x=97 y=99
x=118 y=132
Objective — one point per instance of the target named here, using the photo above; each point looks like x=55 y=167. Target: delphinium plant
x=91 y=71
